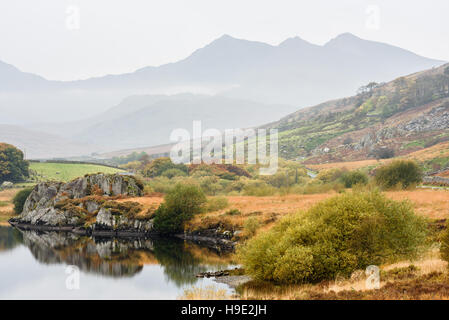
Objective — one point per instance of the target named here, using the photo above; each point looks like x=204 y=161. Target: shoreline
x=205 y=240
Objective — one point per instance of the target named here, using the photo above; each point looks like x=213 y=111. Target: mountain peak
x=346 y=37
x=294 y=42
x=225 y=38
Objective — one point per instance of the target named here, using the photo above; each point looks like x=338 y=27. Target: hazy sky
x=75 y=39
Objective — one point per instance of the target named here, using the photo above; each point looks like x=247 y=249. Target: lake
x=57 y=265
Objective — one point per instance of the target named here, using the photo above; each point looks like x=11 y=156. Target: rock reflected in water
x=118 y=257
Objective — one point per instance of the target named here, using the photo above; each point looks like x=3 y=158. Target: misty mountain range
x=237 y=83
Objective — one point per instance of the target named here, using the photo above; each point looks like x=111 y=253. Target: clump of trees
x=398 y=173
x=12 y=165
x=133 y=157
x=180 y=204
x=335 y=237
x=159 y=166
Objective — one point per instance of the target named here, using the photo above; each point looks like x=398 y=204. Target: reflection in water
x=9 y=238
x=117 y=258
x=180 y=265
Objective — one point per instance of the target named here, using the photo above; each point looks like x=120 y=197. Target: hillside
x=148 y=120
x=40 y=145
x=405 y=115
x=295 y=72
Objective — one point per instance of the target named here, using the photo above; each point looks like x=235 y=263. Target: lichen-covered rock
x=86 y=203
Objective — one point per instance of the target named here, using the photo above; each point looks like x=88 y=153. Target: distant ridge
x=295 y=72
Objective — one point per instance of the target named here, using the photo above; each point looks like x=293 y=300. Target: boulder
x=86 y=203
x=6 y=185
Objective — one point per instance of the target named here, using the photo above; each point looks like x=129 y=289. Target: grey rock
x=43 y=206
x=6 y=185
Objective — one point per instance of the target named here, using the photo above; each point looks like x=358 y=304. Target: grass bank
x=67 y=171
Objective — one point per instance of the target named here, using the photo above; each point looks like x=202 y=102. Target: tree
x=12 y=165
x=352 y=178
x=180 y=205
x=403 y=172
x=368 y=88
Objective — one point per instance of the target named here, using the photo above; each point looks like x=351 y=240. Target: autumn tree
x=12 y=165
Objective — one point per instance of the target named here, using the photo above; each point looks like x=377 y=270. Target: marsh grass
x=210 y=292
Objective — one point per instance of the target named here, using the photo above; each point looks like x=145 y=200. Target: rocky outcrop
x=434 y=120
x=435 y=180
x=86 y=205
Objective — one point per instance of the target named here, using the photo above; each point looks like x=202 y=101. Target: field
x=6 y=206
x=433 y=204
x=67 y=171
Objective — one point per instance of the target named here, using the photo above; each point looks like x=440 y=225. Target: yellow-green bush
x=444 y=249
x=251 y=225
x=337 y=236
x=216 y=203
x=180 y=204
x=258 y=188
x=330 y=175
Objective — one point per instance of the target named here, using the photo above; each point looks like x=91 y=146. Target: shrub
x=210 y=185
x=20 y=198
x=338 y=236
x=156 y=167
x=251 y=225
x=403 y=172
x=180 y=204
x=160 y=184
x=280 y=179
x=233 y=212
x=173 y=172
x=313 y=187
x=148 y=189
x=258 y=188
x=354 y=177
x=444 y=249
x=329 y=175
x=216 y=203
x=383 y=153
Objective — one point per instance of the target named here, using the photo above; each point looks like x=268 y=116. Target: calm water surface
x=33 y=265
